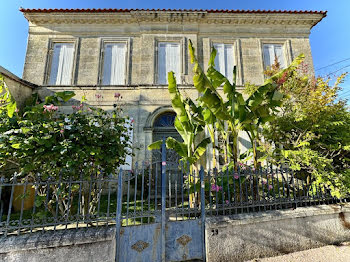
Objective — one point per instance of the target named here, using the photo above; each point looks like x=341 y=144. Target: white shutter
x=279 y=54
x=161 y=63
x=271 y=51
x=229 y=62
x=268 y=55
x=168 y=60
x=62 y=64
x=224 y=60
x=107 y=62
x=220 y=58
x=114 y=64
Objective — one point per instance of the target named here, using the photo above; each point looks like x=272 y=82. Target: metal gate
x=165 y=220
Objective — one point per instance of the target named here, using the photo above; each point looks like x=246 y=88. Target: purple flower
x=61 y=131
x=236 y=176
x=264 y=182
x=215 y=188
x=270 y=187
x=227 y=202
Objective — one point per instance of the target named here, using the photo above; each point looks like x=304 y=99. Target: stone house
x=100 y=52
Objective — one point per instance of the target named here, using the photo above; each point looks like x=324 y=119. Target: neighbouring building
x=100 y=52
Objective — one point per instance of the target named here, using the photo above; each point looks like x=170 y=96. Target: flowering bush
x=42 y=142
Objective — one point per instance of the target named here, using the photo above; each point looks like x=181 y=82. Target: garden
x=61 y=169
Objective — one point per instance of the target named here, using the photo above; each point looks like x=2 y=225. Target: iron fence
x=135 y=197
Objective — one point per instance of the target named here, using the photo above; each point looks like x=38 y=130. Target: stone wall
x=19 y=89
x=256 y=235
x=235 y=238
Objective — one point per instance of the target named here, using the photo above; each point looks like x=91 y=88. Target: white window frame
x=286 y=47
x=114 y=40
x=236 y=43
x=178 y=40
x=52 y=43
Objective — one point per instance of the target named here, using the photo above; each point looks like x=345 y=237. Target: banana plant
x=232 y=113
x=189 y=123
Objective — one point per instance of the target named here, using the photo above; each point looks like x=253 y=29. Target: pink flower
x=236 y=176
x=61 y=131
x=215 y=188
x=17 y=110
x=227 y=202
x=116 y=95
x=50 y=108
x=264 y=182
x=132 y=121
x=270 y=187
x=98 y=96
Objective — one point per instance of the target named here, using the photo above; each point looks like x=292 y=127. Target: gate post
x=201 y=174
x=163 y=199
x=119 y=215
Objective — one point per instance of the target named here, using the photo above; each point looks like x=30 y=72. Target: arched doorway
x=163 y=126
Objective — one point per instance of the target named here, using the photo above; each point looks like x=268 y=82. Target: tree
x=311 y=133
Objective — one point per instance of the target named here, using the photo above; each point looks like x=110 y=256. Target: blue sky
x=329 y=39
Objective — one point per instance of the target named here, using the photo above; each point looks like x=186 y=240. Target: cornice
x=180 y=17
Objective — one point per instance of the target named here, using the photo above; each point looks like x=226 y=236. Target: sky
x=330 y=39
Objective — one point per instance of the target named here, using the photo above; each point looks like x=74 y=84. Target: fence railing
x=36 y=204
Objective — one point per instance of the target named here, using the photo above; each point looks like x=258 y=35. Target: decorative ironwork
x=165 y=120
x=184 y=240
x=140 y=245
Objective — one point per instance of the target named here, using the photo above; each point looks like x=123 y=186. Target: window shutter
x=269 y=55
x=161 y=63
x=168 y=60
x=229 y=62
x=54 y=64
x=279 y=54
x=67 y=64
x=114 y=64
x=224 y=60
x=62 y=64
x=107 y=65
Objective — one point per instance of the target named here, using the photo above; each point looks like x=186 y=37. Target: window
x=272 y=52
x=224 y=60
x=62 y=64
x=169 y=59
x=114 y=64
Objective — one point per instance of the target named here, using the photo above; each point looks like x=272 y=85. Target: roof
x=115 y=10
x=12 y=76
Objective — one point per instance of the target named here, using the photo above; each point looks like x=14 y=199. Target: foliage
x=7 y=102
x=231 y=113
x=189 y=123
x=312 y=133
x=45 y=144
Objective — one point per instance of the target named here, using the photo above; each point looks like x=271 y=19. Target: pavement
x=339 y=253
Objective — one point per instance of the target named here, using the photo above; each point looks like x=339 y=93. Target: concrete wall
x=235 y=238
x=93 y=245
x=256 y=235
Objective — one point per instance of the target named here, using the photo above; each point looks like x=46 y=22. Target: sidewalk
x=322 y=254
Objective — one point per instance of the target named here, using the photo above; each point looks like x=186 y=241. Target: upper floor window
x=225 y=60
x=272 y=52
x=62 y=64
x=169 y=59
x=114 y=64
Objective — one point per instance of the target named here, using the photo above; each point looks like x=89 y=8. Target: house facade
x=98 y=53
